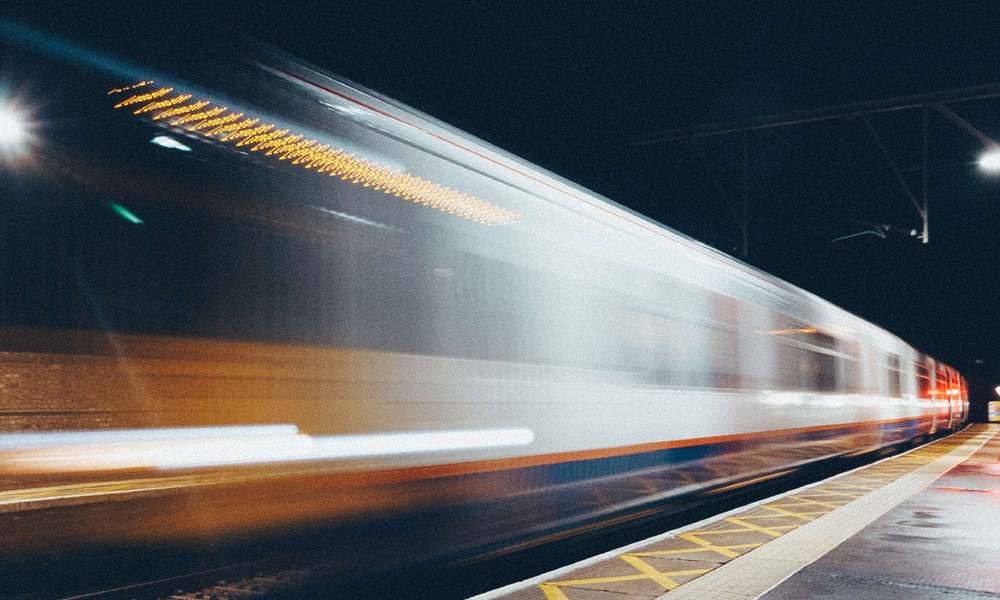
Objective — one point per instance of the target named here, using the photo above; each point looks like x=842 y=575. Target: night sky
x=573 y=86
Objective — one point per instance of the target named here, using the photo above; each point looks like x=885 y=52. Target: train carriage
x=287 y=301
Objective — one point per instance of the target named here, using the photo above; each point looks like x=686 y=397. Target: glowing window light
x=238 y=135
x=181 y=110
x=164 y=104
x=131 y=87
x=262 y=137
x=214 y=123
x=144 y=97
x=199 y=116
x=234 y=126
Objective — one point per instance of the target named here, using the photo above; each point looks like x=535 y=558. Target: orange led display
x=131 y=87
x=164 y=104
x=144 y=97
x=217 y=122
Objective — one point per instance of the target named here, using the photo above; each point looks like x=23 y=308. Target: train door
x=954 y=401
x=925 y=394
x=941 y=396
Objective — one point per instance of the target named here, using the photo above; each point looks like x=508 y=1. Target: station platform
x=918 y=525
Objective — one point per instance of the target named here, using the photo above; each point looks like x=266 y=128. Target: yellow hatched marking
x=691 y=550
x=850 y=486
x=806 y=501
x=787 y=513
x=661 y=578
x=751 y=526
x=593 y=580
x=823 y=493
x=721 y=531
x=552 y=591
x=723 y=550
x=822 y=500
x=806 y=505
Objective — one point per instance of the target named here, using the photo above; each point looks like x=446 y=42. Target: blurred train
x=242 y=296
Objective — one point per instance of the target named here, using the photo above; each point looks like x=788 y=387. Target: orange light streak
x=144 y=97
x=180 y=110
x=164 y=104
x=214 y=122
x=131 y=87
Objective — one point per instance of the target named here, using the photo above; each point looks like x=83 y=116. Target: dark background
x=573 y=86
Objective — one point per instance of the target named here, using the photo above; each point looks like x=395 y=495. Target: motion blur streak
x=455 y=387
x=219 y=446
x=351 y=446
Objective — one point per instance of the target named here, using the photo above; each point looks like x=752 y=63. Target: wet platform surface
x=919 y=525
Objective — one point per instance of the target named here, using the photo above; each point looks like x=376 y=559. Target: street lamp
x=989 y=160
x=13 y=128
x=15 y=132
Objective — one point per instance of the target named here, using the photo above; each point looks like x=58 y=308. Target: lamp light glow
x=13 y=128
x=989 y=161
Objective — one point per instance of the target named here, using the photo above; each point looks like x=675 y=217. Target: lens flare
x=989 y=161
x=13 y=128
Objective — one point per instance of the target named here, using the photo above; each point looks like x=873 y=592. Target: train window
x=680 y=344
x=953 y=389
x=806 y=357
x=666 y=349
x=893 y=375
x=923 y=381
x=940 y=390
x=851 y=366
x=726 y=364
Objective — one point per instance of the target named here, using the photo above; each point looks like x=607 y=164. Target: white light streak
x=355 y=219
x=52 y=452
x=387 y=444
x=71 y=438
x=169 y=142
